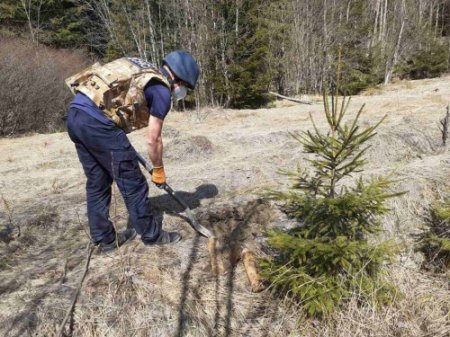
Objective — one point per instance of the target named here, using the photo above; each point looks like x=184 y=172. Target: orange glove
x=158 y=175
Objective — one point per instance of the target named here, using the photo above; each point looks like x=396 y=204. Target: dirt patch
x=235 y=228
x=272 y=138
x=237 y=222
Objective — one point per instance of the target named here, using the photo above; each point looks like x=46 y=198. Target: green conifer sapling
x=330 y=256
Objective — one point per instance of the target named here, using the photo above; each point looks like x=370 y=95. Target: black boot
x=122 y=238
x=163 y=238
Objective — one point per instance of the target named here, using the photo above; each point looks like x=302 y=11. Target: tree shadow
x=27 y=320
x=165 y=203
x=182 y=315
x=229 y=301
x=236 y=239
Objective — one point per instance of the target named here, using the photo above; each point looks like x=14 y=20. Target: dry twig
x=444 y=126
x=69 y=314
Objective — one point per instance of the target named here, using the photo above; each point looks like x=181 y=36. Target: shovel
x=192 y=221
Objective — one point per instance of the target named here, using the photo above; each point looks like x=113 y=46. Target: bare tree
x=306 y=51
x=32 y=10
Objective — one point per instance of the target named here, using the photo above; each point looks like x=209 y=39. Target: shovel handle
x=164 y=186
x=144 y=162
x=149 y=168
x=193 y=222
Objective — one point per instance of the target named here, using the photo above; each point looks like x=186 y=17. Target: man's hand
x=158 y=175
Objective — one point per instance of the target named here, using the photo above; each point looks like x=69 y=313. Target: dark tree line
x=248 y=47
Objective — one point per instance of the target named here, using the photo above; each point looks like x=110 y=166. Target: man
x=111 y=100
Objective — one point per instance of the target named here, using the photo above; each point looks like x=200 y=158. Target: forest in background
x=248 y=48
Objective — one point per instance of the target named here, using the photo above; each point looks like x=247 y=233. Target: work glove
x=158 y=175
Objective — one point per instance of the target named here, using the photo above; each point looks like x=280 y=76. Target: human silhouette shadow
x=165 y=203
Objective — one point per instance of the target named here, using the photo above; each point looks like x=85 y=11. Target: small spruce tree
x=329 y=256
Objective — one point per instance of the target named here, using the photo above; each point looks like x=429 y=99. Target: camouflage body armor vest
x=117 y=88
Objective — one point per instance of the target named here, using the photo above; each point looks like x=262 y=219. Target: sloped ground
x=220 y=160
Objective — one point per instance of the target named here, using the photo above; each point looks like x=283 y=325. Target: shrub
x=361 y=71
x=426 y=63
x=329 y=256
x=362 y=66
x=434 y=241
x=34 y=97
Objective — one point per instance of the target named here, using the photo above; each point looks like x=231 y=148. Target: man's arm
x=154 y=141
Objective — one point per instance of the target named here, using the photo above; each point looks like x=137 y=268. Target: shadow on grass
x=27 y=320
x=165 y=203
x=182 y=314
x=31 y=275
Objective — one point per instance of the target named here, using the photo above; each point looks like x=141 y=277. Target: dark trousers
x=107 y=155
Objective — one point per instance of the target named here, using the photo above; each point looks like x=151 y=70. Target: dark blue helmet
x=184 y=66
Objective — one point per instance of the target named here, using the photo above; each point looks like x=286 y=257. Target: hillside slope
x=219 y=160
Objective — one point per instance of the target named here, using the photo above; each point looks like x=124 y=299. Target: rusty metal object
x=251 y=268
x=216 y=256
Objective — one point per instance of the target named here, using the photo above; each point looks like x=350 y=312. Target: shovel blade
x=199 y=228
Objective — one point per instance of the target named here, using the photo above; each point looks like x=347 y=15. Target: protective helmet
x=184 y=66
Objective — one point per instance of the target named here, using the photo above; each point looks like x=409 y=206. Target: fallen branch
x=69 y=314
x=297 y=100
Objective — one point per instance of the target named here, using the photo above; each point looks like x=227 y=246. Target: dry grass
x=372 y=91
x=218 y=164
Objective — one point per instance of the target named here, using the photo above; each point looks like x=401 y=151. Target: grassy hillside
x=220 y=160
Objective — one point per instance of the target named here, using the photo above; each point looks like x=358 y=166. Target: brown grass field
x=220 y=161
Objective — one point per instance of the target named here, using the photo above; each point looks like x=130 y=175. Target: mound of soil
x=170 y=132
x=189 y=147
x=402 y=146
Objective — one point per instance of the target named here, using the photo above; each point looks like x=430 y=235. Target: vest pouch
x=118 y=72
x=95 y=89
x=76 y=80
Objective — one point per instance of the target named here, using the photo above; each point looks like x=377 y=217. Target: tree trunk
x=26 y=6
x=390 y=67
